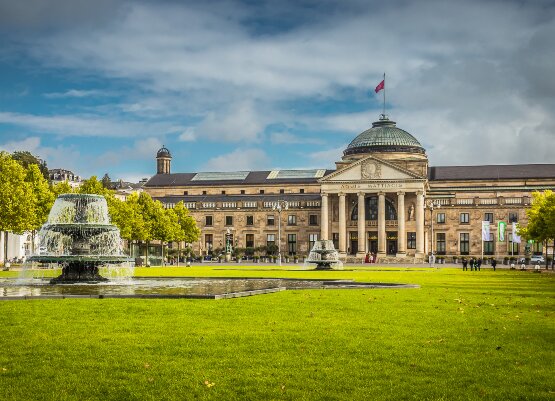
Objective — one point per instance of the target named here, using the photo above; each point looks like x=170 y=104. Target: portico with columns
x=370 y=206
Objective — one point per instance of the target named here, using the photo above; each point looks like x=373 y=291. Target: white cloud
x=60 y=156
x=238 y=160
x=239 y=123
x=188 y=135
x=75 y=93
x=85 y=125
x=280 y=138
x=141 y=149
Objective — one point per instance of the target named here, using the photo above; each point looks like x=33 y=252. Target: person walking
x=477 y=264
x=471 y=264
x=465 y=264
x=493 y=264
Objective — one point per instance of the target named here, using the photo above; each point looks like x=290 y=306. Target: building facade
x=382 y=198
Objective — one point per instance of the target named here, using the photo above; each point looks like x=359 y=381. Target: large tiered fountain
x=324 y=255
x=79 y=237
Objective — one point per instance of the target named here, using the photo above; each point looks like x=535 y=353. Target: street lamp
x=431 y=204
x=279 y=206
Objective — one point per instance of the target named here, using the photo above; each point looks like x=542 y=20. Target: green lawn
x=462 y=335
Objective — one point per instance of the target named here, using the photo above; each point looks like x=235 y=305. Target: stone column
x=361 y=226
x=342 y=226
x=324 y=225
x=419 y=223
x=381 y=224
x=401 y=234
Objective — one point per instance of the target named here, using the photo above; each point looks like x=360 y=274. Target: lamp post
x=279 y=206
x=432 y=204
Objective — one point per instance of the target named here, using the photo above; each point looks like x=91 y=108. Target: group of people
x=475 y=264
x=370 y=258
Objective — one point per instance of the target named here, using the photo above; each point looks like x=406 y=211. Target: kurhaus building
x=383 y=198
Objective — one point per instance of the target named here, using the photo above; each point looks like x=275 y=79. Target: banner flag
x=380 y=86
x=485 y=231
x=501 y=227
x=516 y=237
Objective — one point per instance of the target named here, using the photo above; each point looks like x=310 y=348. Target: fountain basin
x=173 y=287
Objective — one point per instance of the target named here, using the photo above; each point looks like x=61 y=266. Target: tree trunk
x=178 y=252
x=146 y=253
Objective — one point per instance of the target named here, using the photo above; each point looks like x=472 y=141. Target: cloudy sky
x=99 y=86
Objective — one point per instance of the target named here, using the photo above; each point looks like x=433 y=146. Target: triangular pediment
x=371 y=168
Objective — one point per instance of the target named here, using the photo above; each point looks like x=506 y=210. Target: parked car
x=537 y=259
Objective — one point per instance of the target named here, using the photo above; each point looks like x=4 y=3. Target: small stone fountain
x=79 y=237
x=324 y=255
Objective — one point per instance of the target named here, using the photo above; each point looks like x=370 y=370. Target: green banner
x=501 y=227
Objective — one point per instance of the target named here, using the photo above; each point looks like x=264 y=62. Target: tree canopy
x=27 y=159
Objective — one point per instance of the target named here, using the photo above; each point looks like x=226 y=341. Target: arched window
x=371 y=209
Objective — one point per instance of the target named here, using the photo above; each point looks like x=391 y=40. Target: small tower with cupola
x=163 y=161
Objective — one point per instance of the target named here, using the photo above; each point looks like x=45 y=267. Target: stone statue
x=411 y=211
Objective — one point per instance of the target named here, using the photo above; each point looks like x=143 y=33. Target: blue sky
x=98 y=87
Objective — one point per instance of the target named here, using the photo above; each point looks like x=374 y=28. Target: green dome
x=384 y=136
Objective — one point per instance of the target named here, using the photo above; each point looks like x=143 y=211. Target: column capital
x=401 y=193
x=381 y=193
x=361 y=193
x=322 y=194
x=420 y=192
x=341 y=194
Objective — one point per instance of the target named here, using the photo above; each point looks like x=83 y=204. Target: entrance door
x=391 y=244
x=391 y=247
x=373 y=242
x=353 y=240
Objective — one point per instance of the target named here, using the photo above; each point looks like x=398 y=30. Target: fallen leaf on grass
x=209 y=384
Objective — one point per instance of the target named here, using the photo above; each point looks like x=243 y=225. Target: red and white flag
x=380 y=86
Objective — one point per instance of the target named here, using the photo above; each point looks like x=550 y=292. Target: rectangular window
x=208 y=242
x=228 y=220
x=302 y=191
x=249 y=241
x=250 y=220
x=185 y=192
x=291 y=220
x=440 y=243
x=465 y=218
x=488 y=217
x=208 y=220
x=489 y=245
x=464 y=243
x=223 y=192
x=313 y=219
x=513 y=217
x=335 y=239
x=270 y=221
x=261 y=191
x=312 y=238
x=292 y=244
x=204 y=192
x=270 y=239
x=282 y=191
x=411 y=240
x=242 y=192
x=440 y=218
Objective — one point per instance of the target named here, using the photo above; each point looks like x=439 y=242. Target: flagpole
x=383 y=95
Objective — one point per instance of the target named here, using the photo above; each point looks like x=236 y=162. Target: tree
x=93 y=186
x=43 y=200
x=541 y=219
x=16 y=199
x=189 y=232
x=106 y=181
x=61 y=188
x=27 y=159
